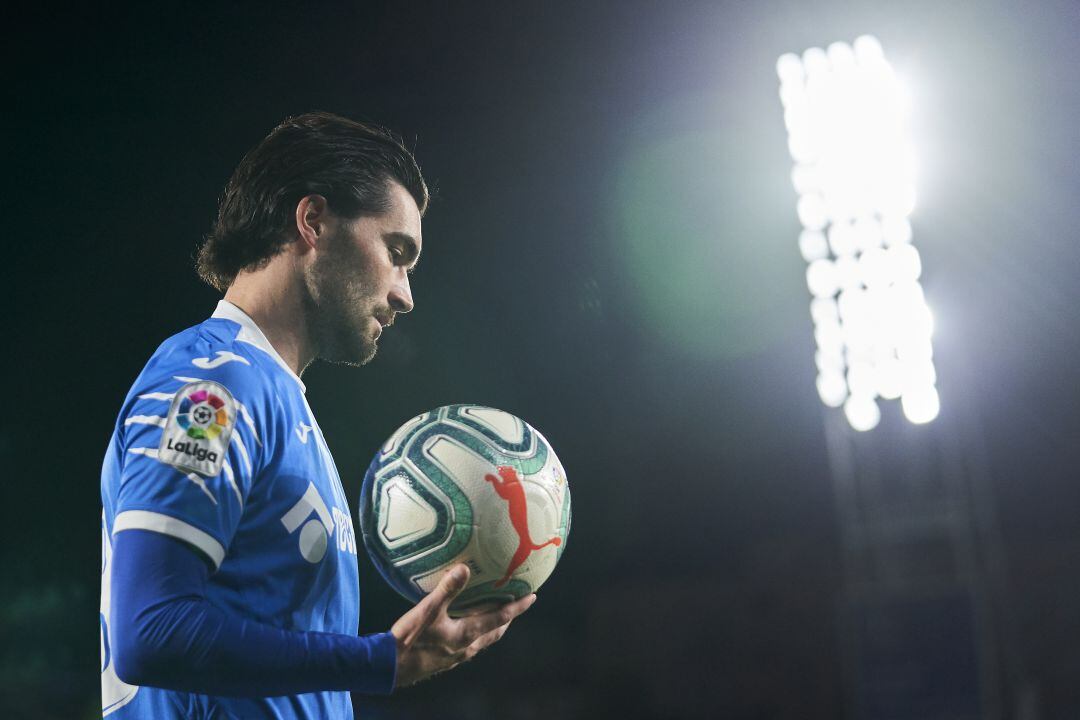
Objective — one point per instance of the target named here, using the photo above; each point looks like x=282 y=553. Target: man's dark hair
x=349 y=163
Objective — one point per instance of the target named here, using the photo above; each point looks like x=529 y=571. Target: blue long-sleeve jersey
x=217 y=447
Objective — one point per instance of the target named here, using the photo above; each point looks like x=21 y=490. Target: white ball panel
x=406 y=516
x=464 y=466
x=503 y=424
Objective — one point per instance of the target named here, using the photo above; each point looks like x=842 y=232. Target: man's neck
x=278 y=309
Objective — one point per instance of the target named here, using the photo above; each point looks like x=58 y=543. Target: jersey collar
x=251 y=334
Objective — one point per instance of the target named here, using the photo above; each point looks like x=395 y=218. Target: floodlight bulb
x=862 y=412
x=841 y=238
x=896 y=231
x=789 y=68
x=831 y=388
x=852 y=305
x=862 y=380
x=824 y=310
x=875 y=270
x=829 y=362
x=811 y=211
x=868 y=49
x=815 y=62
x=829 y=337
x=905 y=264
x=806 y=179
x=841 y=56
x=890 y=377
x=867 y=233
x=792 y=96
x=821 y=278
x=921 y=405
x=812 y=245
x=847 y=272
x=917 y=374
x=914 y=349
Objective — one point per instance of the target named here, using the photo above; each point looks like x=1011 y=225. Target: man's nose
x=401 y=300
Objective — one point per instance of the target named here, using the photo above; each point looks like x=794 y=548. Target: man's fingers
x=435 y=603
x=475 y=626
x=486 y=640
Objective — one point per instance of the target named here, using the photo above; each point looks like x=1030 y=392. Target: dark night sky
x=610 y=255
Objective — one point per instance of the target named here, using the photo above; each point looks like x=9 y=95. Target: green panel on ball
x=564 y=523
x=487 y=592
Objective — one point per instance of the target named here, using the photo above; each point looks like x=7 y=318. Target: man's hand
x=430 y=641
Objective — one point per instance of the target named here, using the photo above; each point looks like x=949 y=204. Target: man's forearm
x=167 y=634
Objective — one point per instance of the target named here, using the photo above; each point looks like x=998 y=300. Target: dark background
x=610 y=255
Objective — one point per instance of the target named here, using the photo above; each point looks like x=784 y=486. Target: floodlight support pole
x=891 y=506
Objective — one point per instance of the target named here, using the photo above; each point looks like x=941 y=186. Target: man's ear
x=312 y=217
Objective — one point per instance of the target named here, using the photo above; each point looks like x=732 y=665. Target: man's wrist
x=381 y=662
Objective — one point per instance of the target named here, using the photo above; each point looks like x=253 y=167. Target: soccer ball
x=466 y=484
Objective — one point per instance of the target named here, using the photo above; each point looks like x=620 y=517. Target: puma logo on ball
x=509 y=487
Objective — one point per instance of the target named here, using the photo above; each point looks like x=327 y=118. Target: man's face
x=359 y=279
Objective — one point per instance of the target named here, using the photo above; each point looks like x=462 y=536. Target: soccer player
x=229 y=583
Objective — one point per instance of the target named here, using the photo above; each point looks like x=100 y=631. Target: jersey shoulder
x=208 y=351
x=213 y=352
x=199 y=384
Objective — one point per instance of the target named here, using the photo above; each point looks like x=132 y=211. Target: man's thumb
x=452 y=583
x=456 y=578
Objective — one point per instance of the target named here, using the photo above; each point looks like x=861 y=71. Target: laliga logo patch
x=202 y=414
x=198 y=428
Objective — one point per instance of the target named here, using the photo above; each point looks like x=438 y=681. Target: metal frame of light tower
x=916 y=531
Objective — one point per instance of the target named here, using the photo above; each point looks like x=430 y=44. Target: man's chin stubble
x=358 y=358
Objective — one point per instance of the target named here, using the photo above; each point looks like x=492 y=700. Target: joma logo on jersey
x=193 y=449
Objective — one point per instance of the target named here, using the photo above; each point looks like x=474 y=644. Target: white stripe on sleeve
x=148 y=452
x=167 y=525
x=157 y=396
x=146 y=420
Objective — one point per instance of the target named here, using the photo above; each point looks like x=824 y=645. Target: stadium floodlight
x=846 y=116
